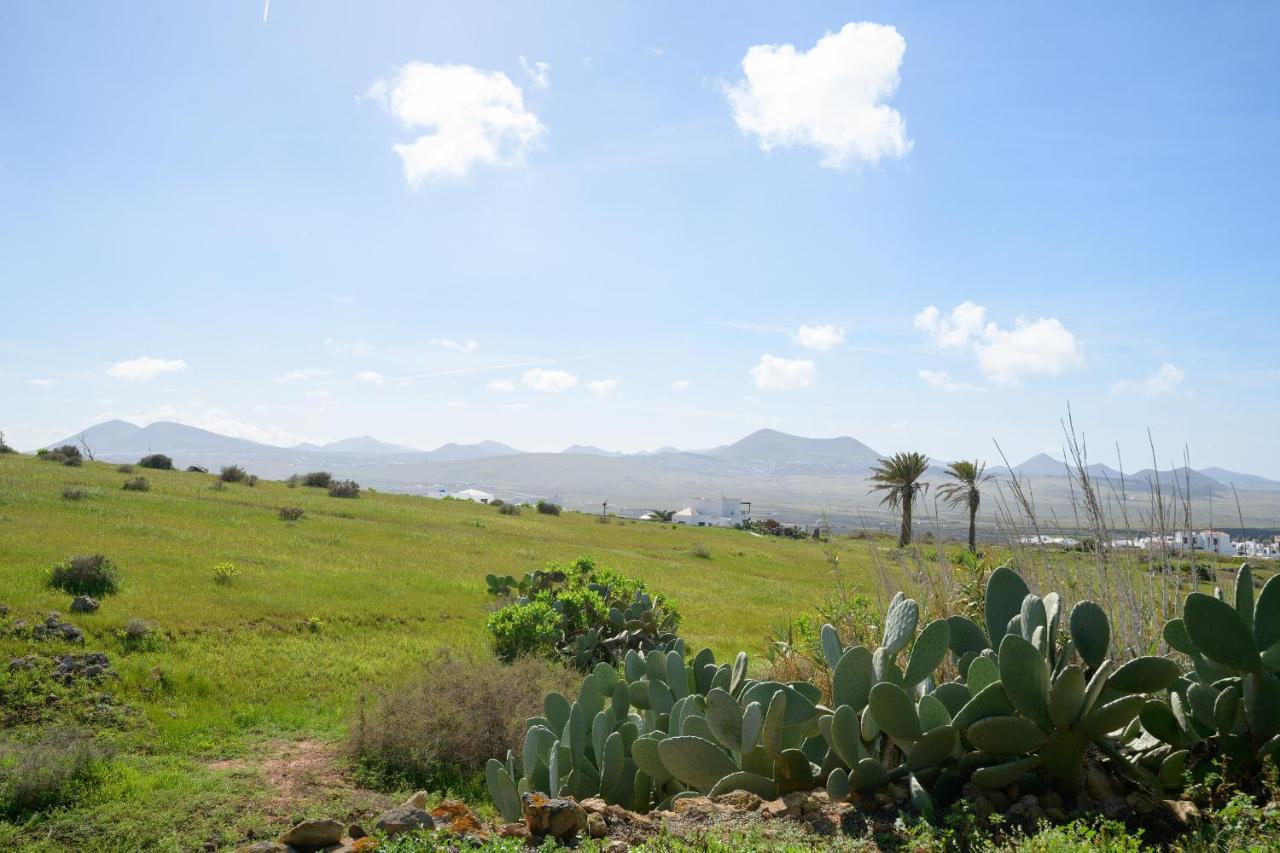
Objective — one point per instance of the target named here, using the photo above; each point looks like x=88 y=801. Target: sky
x=928 y=226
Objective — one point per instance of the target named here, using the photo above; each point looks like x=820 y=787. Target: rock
x=1141 y=803
x=53 y=627
x=559 y=818
x=1115 y=808
x=262 y=847
x=513 y=830
x=695 y=808
x=84 y=604
x=743 y=800
x=616 y=847
x=774 y=809
x=795 y=803
x=1184 y=812
x=90 y=665
x=355 y=832
x=596 y=826
x=417 y=801
x=455 y=817
x=314 y=833
x=594 y=804
x=1097 y=784
x=403 y=819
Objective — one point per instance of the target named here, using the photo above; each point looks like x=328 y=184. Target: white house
x=472 y=495
x=710 y=512
x=1204 y=541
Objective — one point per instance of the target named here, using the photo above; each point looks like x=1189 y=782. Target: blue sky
x=599 y=223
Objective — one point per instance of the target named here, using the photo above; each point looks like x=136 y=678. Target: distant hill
x=120 y=438
x=452 y=452
x=590 y=450
x=366 y=444
x=792 y=451
x=1242 y=481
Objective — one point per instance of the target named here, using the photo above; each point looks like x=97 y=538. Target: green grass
x=322 y=612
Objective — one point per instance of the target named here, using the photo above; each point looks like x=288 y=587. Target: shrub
x=136 y=484
x=225 y=573
x=158 y=461
x=251 y=480
x=548 y=508
x=508 y=509
x=140 y=636
x=124 y=469
x=231 y=474
x=86 y=574
x=344 y=489
x=71 y=493
x=293 y=481
x=317 y=479
x=436 y=728
x=56 y=769
x=67 y=454
x=291 y=513
x=196 y=469
x=580 y=612
x=702 y=552
x=218 y=486
x=4 y=448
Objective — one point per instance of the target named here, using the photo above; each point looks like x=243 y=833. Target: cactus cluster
x=1018 y=700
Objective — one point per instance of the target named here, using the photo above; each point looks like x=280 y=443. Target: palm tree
x=965 y=491
x=663 y=515
x=899 y=478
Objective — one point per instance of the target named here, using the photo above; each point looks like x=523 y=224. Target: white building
x=472 y=495
x=710 y=512
x=1204 y=542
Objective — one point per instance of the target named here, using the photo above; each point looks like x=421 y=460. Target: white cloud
x=680 y=385
x=822 y=337
x=43 y=383
x=334 y=347
x=146 y=368
x=548 y=380
x=1159 y=382
x=941 y=380
x=458 y=404
x=1042 y=347
x=468 y=345
x=371 y=377
x=301 y=375
x=469 y=116
x=829 y=97
x=539 y=73
x=966 y=321
x=501 y=385
x=603 y=387
x=782 y=374
x=212 y=419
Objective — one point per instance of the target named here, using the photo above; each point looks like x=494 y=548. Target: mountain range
x=781 y=473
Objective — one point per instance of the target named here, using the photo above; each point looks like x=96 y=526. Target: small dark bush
x=317 y=479
x=124 y=469
x=136 y=484
x=232 y=474
x=251 y=480
x=196 y=469
x=344 y=489
x=437 y=728
x=57 y=769
x=293 y=481
x=218 y=486
x=71 y=493
x=140 y=636
x=548 y=508
x=291 y=513
x=86 y=574
x=702 y=552
x=4 y=448
x=67 y=454
x=158 y=461
x=508 y=509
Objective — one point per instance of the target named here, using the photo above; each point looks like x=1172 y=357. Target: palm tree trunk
x=973 y=531
x=904 y=538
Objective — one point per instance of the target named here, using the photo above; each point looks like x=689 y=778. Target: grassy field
x=324 y=611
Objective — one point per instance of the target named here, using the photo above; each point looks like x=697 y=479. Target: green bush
x=518 y=630
x=508 y=509
x=225 y=573
x=140 y=636
x=136 y=484
x=548 y=508
x=86 y=574
x=317 y=479
x=702 y=552
x=67 y=454
x=71 y=493
x=436 y=727
x=126 y=468
x=4 y=448
x=344 y=489
x=232 y=474
x=158 y=461
x=58 y=768
x=292 y=513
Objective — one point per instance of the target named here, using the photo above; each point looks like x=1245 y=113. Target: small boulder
x=596 y=827
x=774 y=809
x=513 y=830
x=355 y=832
x=314 y=833
x=263 y=847
x=417 y=801
x=84 y=604
x=404 y=819
x=741 y=800
x=559 y=818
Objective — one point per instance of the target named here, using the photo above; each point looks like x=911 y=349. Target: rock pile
x=54 y=628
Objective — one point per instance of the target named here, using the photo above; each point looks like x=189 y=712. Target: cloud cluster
x=1159 y=382
x=145 y=369
x=540 y=379
x=830 y=97
x=468 y=345
x=603 y=387
x=822 y=337
x=1041 y=347
x=941 y=380
x=468 y=116
x=773 y=373
x=371 y=377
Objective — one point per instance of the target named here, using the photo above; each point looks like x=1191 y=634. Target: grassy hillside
x=323 y=611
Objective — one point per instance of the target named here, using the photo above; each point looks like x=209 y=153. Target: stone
x=1184 y=811
x=742 y=800
x=795 y=803
x=54 y=627
x=557 y=817
x=404 y=819
x=1097 y=784
x=695 y=808
x=616 y=847
x=596 y=826
x=594 y=804
x=84 y=604
x=263 y=847
x=355 y=832
x=314 y=833
x=417 y=801
x=1115 y=808
x=455 y=817
x=513 y=830
x=774 y=809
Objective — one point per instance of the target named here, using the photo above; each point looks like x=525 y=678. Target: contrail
x=266 y=10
